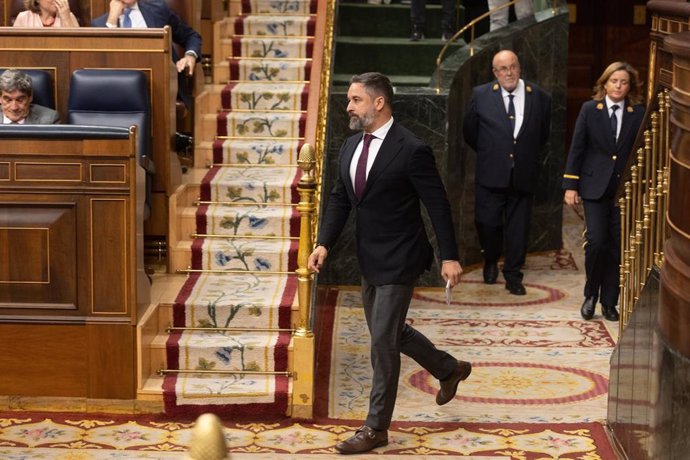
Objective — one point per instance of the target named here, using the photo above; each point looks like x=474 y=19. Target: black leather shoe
x=449 y=386
x=417 y=34
x=516 y=288
x=587 y=310
x=490 y=272
x=364 y=440
x=610 y=313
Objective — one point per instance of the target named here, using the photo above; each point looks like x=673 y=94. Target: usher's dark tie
x=511 y=112
x=361 y=171
x=614 y=121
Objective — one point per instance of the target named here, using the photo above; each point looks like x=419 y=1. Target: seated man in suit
x=156 y=14
x=16 y=94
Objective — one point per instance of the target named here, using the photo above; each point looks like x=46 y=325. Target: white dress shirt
x=619 y=113
x=374 y=147
x=518 y=102
x=7 y=121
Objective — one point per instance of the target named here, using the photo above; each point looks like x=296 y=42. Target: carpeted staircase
x=374 y=37
x=237 y=228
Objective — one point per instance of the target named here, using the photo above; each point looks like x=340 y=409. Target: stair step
x=389 y=20
x=388 y=55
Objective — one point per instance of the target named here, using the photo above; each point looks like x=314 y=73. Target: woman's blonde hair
x=634 y=95
x=32 y=5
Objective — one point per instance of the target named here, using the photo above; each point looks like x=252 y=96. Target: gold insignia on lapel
x=629 y=109
x=600 y=106
x=571 y=176
x=495 y=87
x=528 y=88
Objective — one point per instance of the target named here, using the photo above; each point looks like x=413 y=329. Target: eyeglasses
x=504 y=69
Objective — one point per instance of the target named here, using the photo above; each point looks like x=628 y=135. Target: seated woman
x=46 y=13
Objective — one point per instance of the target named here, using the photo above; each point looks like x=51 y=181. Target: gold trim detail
x=571 y=176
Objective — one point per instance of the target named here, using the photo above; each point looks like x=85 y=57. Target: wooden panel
x=108 y=173
x=109 y=255
x=26 y=250
x=26 y=223
x=49 y=362
x=94 y=361
x=47 y=172
x=111 y=362
x=4 y=170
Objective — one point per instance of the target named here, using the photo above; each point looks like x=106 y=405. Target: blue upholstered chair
x=115 y=98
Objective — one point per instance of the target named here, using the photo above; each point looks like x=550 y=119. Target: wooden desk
x=72 y=285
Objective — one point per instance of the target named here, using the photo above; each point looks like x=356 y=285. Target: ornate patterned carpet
x=537 y=391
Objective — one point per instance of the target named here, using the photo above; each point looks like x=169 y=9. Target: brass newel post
x=306 y=189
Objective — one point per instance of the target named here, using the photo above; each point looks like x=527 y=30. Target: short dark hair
x=375 y=84
x=13 y=80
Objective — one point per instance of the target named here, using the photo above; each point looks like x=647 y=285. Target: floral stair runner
x=246 y=222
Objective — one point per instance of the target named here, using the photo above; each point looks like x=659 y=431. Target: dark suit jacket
x=392 y=245
x=39 y=115
x=594 y=155
x=157 y=14
x=487 y=130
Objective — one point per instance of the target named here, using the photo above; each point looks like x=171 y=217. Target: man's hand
x=572 y=198
x=187 y=62
x=451 y=271
x=317 y=258
x=115 y=11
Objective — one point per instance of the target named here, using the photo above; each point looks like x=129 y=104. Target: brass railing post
x=306 y=189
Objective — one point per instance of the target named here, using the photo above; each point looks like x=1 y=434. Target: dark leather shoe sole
x=364 y=440
x=449 y=387
x=516 y=289
x=587 y=309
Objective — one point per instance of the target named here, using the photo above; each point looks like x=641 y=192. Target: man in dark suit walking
x=507 y=124
x=604 y=137
x=384 y=173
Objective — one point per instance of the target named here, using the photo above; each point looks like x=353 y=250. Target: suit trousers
x=385 y=309
x=417 y=10
x=523 y=8
x=502 y=217
x=602 y=249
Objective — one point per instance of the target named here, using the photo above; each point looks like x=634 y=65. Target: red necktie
x=361 y=171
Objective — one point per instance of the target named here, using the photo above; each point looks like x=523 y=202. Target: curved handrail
x=470 y=25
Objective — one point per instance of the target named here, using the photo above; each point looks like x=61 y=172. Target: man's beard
x=358 y=123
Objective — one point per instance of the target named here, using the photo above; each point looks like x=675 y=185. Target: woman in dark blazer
x=604 y=135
